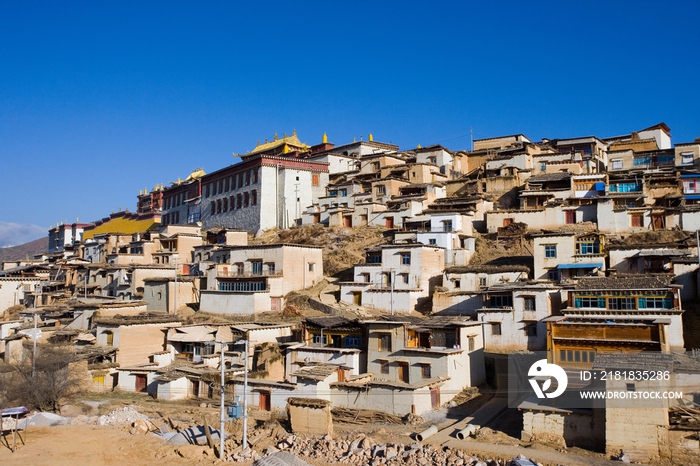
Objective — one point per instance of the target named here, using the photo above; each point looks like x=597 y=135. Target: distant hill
x=24 y=251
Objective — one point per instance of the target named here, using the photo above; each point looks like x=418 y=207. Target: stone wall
x=310 y=416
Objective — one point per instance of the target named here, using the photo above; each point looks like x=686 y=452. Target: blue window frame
x=550 y=251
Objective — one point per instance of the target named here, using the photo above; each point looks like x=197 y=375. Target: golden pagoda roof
x=292 y=140
x=196 y=174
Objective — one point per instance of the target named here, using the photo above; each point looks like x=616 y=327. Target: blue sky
x=101 y=99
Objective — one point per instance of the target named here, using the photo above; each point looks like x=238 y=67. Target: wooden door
x=403 y=372
x=275 y=304
x=570 y=217
x=435 y=397
x=141 y=383
x=507 y=221
x=389 y=222
x=348 y=221
x=357 y=298
x=264 y=401
x=657 y=222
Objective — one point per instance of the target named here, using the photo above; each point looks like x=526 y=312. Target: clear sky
x=101 y=99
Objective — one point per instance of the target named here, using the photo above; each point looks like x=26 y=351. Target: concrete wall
x=567 y=430
x=234 y=302
x=390 y=400
x=135 y=342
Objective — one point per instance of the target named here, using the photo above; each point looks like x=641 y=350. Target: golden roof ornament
x=370 y=137
x=325 y=138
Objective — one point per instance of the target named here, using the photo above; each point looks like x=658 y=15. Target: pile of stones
x=125 y=415
x=365 y=451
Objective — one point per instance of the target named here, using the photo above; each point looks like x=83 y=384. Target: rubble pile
x=365 y=451
x=125 y=415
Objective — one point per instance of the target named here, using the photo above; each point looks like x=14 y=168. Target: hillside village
x=390 y=280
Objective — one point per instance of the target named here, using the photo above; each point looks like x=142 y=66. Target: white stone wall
x=549 y=217
x=12 y=290
x=389 y=400
x=234 y=302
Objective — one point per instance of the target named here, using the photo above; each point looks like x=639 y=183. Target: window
x=447 y=225
x=383 y=366
x=686 y=158
x=655 y=303
x=254 y=171
x=253 y=197
x=621 y=303
x=353 y=341
x=458 y=284
x=499 y=301
x=588 y=247
x=589 y=301
x=482 y=281
x=315 y=179
x=576 y=356
x=529 y=303
x=472 y=343
x=219 y=206
x=616 y=164
x=629 y=187
x=365 y=277
x=225 y=184
x=246 y=179
x=495 y=328
x=318 y=340
x=311 y=266
x=531 y=330
x=225 y=202
x=425 y=371
x=381 y=190
x=246 y=199
x=637 y=220
x=553 y=275
x=385 y=342
x=232 y=202
x=404 y=276
x=550 y=251
x=110 y=339
x=432 y=241
x=641 y=161
x=543 y=166
x=239 y=201
x=213 y=207
x=270 y=268
x=405 y=258
x=242 y=286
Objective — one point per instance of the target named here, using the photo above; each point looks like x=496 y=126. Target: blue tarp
x=580 y=266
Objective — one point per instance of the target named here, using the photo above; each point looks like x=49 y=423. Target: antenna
x=471 y=137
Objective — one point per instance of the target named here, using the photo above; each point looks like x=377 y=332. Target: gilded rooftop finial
x=325 y=138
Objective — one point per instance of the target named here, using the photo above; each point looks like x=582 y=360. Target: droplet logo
x=545 y=372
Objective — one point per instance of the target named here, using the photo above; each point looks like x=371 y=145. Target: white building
x=397 y=276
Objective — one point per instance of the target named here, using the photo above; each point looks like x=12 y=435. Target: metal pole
x=245 y=396
x=175 y=257
x=223 y=382
x=391 y=276
x=34 y=352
